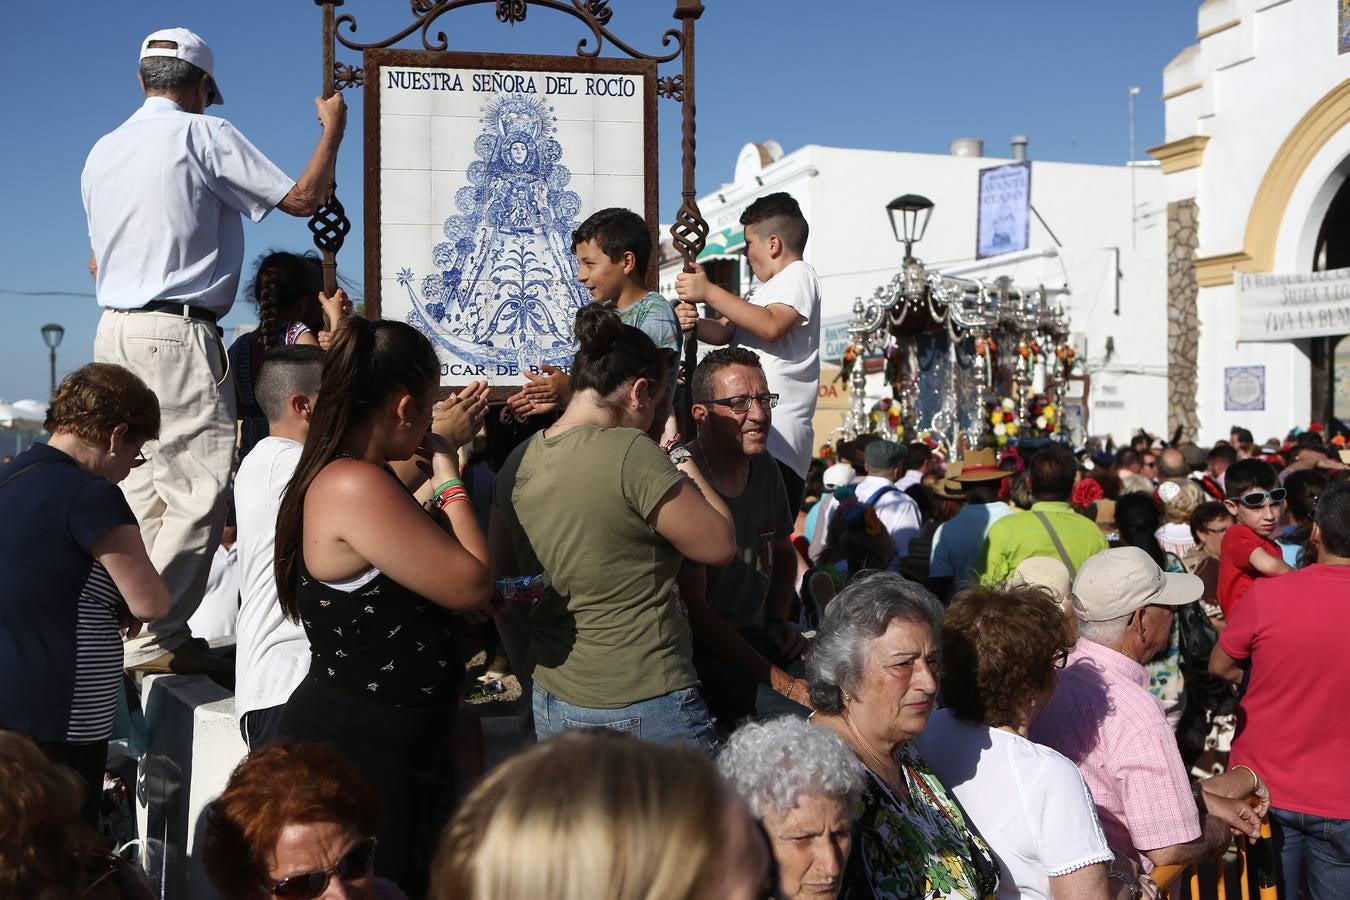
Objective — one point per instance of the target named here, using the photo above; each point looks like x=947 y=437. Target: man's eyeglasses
x=307 y=885
x=741 y=402
x=1061 y=657
x=1257 y=499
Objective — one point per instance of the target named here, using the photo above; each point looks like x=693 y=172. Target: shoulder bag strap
x=32 y=465
x=1059 y=545
x=872 y=500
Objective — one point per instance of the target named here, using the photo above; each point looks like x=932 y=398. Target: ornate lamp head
x=909 y=219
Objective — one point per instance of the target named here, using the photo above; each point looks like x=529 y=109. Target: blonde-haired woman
x=598 y=813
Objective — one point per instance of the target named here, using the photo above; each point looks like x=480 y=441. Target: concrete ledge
x=194 y=745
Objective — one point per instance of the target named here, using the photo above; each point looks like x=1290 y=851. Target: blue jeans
x=1312 y=848
x=678 y=716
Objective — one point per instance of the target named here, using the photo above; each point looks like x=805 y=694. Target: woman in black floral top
x=374 y=578
x=873 y=675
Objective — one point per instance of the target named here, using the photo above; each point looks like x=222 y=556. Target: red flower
x=1087 y=492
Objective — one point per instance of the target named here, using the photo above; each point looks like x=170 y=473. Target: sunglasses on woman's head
x=356 y=863
x=1257 y=499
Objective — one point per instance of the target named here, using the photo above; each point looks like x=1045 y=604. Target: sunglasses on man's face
x=1257 y=499
x=308 y=885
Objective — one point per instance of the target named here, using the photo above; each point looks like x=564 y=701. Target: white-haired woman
x=804 y=785
x=873 y=677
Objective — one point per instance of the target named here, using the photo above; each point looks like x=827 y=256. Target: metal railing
x=1255 y=862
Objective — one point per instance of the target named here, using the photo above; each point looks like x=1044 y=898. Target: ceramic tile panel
x=405 y=142
x=485 y=174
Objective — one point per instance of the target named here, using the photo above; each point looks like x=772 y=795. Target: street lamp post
x=51 y=336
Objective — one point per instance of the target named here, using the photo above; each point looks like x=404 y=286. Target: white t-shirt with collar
x=163 y=193
x=272 y=653
x=792 y=363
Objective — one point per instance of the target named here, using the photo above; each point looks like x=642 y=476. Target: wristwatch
x=678 y=453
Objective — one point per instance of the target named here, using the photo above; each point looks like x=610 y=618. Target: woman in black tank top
x=375 y=580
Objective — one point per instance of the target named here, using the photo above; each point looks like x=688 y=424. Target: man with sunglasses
x=1254 y=497
x=752 y=593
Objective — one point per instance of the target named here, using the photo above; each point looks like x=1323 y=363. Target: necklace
x=875 y=762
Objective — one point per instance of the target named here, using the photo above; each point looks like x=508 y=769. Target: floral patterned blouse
x=1164 y=670
x=920 y=850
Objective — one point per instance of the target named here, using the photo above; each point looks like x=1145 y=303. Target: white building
x=1107 y=247
x=1255 y=163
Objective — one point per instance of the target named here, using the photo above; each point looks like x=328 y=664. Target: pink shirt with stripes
x=1103 y=718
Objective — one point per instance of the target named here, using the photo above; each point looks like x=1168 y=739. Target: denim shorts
x=679 y=716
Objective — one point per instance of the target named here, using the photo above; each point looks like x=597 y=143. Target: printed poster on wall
x=1275 y=307
x=1004 y=217
x=478 y=169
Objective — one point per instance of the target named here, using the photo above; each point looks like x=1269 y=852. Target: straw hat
x=948 y=487
x=979 y=465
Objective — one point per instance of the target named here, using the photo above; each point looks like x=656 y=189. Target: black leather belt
x=178 y=309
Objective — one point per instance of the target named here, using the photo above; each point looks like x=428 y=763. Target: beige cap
x=1043 y=571
x=1114 y=583
x=187 y=47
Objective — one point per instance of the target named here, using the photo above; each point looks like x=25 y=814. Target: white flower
x=1041 y=422
x=1008 y=404
x=999 y=430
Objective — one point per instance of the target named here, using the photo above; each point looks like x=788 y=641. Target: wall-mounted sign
x=1343 y=26
x=1004 y=219
x=1244 y=388
x=1285 y=307
x=478 y=169
x=833 y=339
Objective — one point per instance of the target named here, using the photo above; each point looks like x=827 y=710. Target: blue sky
x=884 y=74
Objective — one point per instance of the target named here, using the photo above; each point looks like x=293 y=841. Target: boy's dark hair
x=778 y=214
x=1222 y=451
x=1247 y=475
x=1126 y=457
x=1244 y=436
x=1333 y=518
x=617 y=231
x=1309 y=439
x=1205 y=514
x=286 y=371
x=1052 y=472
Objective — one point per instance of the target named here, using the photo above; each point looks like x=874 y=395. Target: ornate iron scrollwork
x=594 y=14
x=671 y=86
x=330 y=224
x=509 y=12
x=345 y=76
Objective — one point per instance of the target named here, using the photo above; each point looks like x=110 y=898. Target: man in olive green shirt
x=1050 y=528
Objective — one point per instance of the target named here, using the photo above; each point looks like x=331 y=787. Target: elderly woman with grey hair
x=804 y=785
x=873 y=677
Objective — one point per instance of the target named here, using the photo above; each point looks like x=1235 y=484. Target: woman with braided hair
x=285 y=289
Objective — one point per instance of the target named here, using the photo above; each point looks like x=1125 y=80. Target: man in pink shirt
x=1293 y=724
x=1103 y=717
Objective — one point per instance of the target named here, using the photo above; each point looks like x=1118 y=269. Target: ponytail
x=282 y=288
x=367 y=364
x=610 y=354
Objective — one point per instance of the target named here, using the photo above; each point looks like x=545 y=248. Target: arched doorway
x=1330 y=356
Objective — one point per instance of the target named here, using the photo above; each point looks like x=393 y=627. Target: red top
x=1236 y=572
x=1294 y=723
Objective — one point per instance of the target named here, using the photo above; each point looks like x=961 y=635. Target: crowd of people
x=890 y=671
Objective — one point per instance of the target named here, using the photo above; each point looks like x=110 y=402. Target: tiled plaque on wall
x=478 y=169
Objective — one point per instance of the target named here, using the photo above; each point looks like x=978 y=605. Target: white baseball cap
x=1116 y=582
x=838 y=475
x=189 y=48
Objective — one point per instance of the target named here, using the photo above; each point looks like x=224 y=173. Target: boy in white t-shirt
x=272 y=655
x=779 y=319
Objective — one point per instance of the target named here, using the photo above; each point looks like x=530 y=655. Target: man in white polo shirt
x=164 y=194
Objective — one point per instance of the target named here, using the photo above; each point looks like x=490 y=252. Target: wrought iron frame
x=689 y=231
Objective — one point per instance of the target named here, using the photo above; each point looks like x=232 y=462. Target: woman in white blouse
x=1000 y=651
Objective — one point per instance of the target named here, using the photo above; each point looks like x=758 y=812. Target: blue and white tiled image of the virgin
x=505 y=292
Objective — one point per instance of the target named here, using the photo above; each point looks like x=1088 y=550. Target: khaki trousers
x=179 y=495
